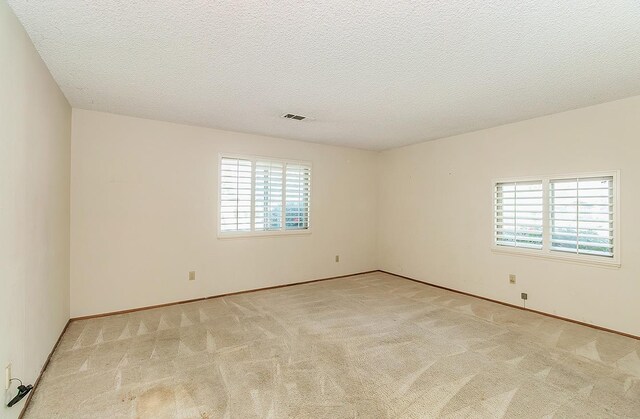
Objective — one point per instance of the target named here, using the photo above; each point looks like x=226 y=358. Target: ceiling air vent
x=294 y=116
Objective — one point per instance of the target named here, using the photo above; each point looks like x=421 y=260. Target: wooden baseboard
x=593 y=326
x=112 y=313
x=44 y=367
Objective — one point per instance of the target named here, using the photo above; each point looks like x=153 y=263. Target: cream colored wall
x=144 y=214
x=144 y=211
x=35 y=134
x=436 y=212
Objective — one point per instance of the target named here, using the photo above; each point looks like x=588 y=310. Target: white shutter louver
x=235 y=195
x=298 y=184
x=519 y=214
x=268 y=196
x=581 y=213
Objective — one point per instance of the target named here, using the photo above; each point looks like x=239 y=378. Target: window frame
x=546 y=252
x=261 y=233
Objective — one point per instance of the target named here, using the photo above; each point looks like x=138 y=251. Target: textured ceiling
x=374 y=74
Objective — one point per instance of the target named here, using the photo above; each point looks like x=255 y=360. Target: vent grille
x=294 y=116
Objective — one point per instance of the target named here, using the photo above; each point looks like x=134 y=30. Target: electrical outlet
x=523 y=295
x=7 y=375
x=192 y=275
x=512 y=278
x=337 y=258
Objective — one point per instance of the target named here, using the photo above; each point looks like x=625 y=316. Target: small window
x=261 y=196
x=581 y=215
x=298 y=182
x=268 y=195
x=235 y=194
x=519 y=214
x=567 y=217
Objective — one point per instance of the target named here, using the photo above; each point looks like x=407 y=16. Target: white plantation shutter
x=581 y=214
x=268 y=195
x=235 y=194
x=260 y=195
x=572 y=217
x=298 y=194
x=519 y=214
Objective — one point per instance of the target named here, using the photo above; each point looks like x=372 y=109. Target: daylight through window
x=260 y=195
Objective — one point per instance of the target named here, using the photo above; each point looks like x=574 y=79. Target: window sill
x=254 y=234
x=557 y=256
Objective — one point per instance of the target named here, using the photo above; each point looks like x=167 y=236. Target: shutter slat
x=581 y=243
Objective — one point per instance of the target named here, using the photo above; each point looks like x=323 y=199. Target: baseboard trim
x=44 y=367
x=132 y=310
x=593 y=326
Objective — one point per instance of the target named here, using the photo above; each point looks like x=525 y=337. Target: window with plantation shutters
x=235 y=194
x=268 y=196
x=572 y=217
x=581 y=215
x=261 y=196
x=519 y=214
x=298 y=183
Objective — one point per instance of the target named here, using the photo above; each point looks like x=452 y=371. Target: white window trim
x=271 y=233
x=546 y=252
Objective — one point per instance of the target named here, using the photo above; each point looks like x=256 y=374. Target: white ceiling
x=371 y=74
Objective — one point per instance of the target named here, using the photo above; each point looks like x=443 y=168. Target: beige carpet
x=369 y=346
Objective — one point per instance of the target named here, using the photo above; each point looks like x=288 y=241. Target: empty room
x=330 y=209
